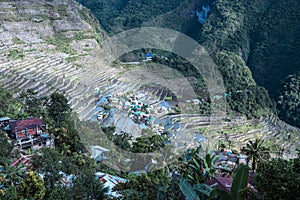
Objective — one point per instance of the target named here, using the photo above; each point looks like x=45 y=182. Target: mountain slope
x=49 y=46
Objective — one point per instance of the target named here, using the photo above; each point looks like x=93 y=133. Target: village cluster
x=135 y=107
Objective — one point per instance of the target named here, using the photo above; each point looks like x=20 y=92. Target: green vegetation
x=62 y=43
x=153 y=185
x=146 y=144
x=256 y=151
x=288 y=102
x=259 y=34
x=32 y=187
x=61 y=10
x=278 y=179
x=237 y=35
x=118 y=15
x=72 y=59
x=183 y=178
x=17 y=40
x=16 y=54
x=275 y=47
x=86 y=15
x=238 y=188
x=202 y=191
x=68 y=156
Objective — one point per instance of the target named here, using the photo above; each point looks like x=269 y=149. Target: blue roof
x=199 y=137
x=6 y=128
x=149 y=55
x=45 y=135
x=4 y=118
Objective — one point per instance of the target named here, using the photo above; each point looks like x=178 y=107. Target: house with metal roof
x=224 y=183
x=110 y=182
x=27 y=132
x=149 y=56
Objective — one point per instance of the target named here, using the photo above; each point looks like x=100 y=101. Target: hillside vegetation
x=256 y=35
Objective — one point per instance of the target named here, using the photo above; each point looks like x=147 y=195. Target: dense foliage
x=278 y=179
x=66 y=159
x=246 y=97
x=275 y=44
x=260 y=36
x=116 y=15
x=289 y=100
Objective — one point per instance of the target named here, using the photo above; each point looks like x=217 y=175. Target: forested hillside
x=116 y=15
x=256 y=35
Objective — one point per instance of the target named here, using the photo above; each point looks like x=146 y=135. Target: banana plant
x=194 y=192
x=204 y=192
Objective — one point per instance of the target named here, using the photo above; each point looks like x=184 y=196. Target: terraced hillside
x=52 y=45
x=58 y=45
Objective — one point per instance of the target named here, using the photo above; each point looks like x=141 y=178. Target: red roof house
x=24 y=128
x=223 y=183
x=25 y=124
x=28 y=132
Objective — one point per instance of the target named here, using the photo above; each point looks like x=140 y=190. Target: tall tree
x=86 y=186
x=32 y=187
x=6 y=147
x=288 y=102
x=256 y=151
x=58 y=108
x=5 y=99
x=32 y=105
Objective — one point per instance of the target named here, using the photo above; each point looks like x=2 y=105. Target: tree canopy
x=288 y=102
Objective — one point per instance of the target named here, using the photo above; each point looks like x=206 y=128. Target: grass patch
x=62 y=43
x=72 y=59
x=16 y=54
x=85 y=14
x=61 y=10
x=78 y=66
x=168 y=99
x=17 y=40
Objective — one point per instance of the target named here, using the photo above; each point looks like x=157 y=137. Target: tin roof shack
x=98 y=153
x=27 y=132
x=110 y=182
x=24 y=160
